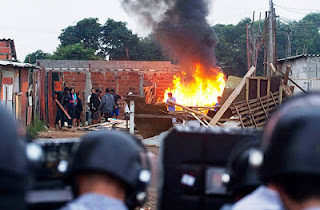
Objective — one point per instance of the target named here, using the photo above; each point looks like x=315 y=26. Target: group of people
x=100 y=105
x=72 y=104
x=106 y=105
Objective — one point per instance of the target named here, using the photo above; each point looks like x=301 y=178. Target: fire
x=201 y=91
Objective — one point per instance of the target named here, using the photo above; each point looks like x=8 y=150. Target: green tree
x=231 y=49
x=37 y=55
x=74 y=52
x=118 y=42
x=149 y=50
x=86 y=32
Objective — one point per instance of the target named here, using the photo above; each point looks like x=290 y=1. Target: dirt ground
x=152 y=199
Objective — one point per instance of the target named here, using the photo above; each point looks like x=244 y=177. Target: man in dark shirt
x=116 y=102
x=63 y=98
x=94 y=106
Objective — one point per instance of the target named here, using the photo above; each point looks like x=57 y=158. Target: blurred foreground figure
x=291 y=159
x=244 y=178
x=13 y=164
x=291 y=147
x=110 y=170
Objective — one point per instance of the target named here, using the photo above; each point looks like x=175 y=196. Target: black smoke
x=180 y=26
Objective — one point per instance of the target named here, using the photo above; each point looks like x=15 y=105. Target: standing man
x=107 y=104
x=218 y=103
x=63 y=98
x=88 y=104
x=171 y=108
x=94 y=106
x=117 y=99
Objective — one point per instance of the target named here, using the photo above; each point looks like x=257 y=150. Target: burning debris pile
x=180 y=26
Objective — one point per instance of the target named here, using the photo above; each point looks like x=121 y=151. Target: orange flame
x=201 y=91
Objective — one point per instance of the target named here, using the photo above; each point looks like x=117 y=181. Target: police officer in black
x=109 y=172
x=291 y=147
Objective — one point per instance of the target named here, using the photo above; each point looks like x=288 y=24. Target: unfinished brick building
x=7 y=49
x=123 y=76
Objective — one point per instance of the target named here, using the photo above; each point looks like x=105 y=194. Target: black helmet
x=244 y=177
x=291 y=139
x=117 y=154
x=13 y=163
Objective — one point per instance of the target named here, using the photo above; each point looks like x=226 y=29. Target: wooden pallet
x=255 y=112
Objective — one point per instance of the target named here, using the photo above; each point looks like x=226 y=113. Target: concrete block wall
x=305 y=71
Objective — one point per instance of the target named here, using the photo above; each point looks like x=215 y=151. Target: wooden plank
x=1 y=95
x=268 y=87
x=194 y=111
x=251 y=113
x=274 y=98
x=29 y=115
x=51 y=114
x=286 y=90
x=286 y=75
x=61 y=107
x=280 y=96
x=274 y=70
x=239 y=116
x=231 y=98
x=247 y=89
x=42 y=95
x=264 y=108
x=258 y=88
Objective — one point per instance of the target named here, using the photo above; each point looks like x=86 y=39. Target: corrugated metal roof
x=298 y=56
x=17 y=64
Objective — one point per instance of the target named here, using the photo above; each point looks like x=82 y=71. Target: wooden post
x=286 y=75
x=0 y=82
x=258 y=87
x=131 y=129
x=293 y=82
x=51 y=114
x=232 y=97
x=83 y=113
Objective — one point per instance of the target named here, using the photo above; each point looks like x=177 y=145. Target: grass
x=36 y=127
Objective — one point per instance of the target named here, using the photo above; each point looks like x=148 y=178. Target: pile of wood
x=113 y=124
x=255 y=112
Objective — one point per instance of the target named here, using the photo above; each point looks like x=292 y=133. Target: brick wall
x=5 y=48
x=123 y=76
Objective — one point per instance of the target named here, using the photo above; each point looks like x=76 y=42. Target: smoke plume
x=180 y=26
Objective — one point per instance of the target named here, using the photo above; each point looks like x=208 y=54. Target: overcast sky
x=36 y=24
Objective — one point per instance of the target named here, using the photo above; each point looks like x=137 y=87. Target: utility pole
x=272 y=55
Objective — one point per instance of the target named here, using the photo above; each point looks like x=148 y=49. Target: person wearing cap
x=108 y=172
x=291 y=158
x=171 y=108
x=13 y=164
